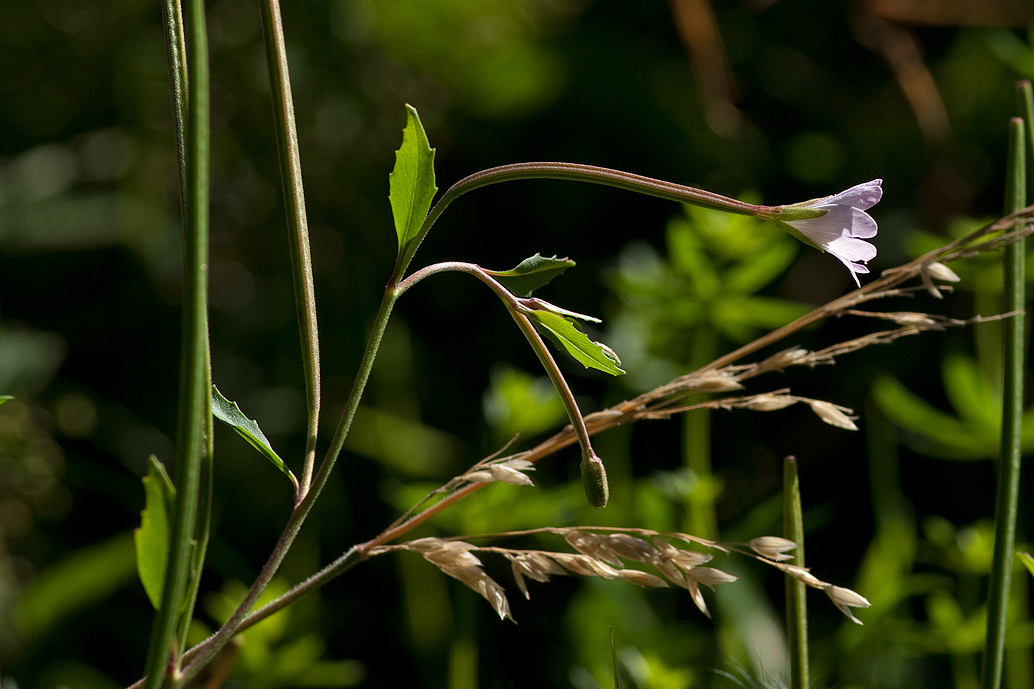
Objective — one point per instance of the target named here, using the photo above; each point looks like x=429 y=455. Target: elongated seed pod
x=594 y=480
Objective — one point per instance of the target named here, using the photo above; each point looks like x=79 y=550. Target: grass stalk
x=190 y=51
x=1012 y=414
x=294 y=202
x=796 y=602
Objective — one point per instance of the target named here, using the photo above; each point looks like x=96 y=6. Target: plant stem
x=796 y=601
x=195 y=379
x=597 y=175
x=530 y=333
x=294 y=195
x=1012 y=416
x=206 y=651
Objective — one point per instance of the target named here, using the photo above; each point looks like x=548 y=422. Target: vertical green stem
x=294 y=200
x=1012 y=413
x=796 y=603
x=195 y=400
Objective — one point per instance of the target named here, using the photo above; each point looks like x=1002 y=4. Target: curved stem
x=515 y=307
x=596 y=175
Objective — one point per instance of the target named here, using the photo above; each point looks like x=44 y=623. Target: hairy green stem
x=796 y=600
x=195 y=381
x=176 y=47
x=1007 y=496
x=595 y=175
x=294 y=195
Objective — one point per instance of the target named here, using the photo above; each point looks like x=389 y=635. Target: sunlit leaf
x=229 y=413
x=936 y=433
x=152 y=538
x=969 y=392
x=531 y=273
x=563 y=330
x=411 y=185
x=1027 y=560
x=4 y=398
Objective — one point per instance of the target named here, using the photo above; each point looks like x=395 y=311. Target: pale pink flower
x=837 y=224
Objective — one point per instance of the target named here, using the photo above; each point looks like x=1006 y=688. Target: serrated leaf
x=152 y=538
x=540 y=305
x=531 y=273
x=566 y=333
x=411 y=185
x=229 y=413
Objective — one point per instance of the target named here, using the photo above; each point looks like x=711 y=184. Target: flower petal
x=842 y=229
x=861 y=196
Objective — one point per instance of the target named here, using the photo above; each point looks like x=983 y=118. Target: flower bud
x=594 y=480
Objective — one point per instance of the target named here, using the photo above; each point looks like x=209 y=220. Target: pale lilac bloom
x=843 y=228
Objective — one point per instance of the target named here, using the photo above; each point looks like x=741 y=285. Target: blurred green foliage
x=817 y=96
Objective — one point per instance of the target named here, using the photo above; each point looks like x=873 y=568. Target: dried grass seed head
x=715 y=381
x=510 y=471
x=534 y=565
x=772 y=547
x=508 y=474
x=698 y=597
x=455 y=559
x=801 y=574
x=832 y=414
x=785 y=358
x=421 y=545
x=845 y=599
x=709 y=576
x=585 y=565
x=632 y=548
x=594 y=545
x=770 y=402
x=642 y=578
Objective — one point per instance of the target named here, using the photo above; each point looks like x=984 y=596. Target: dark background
x=789 y=100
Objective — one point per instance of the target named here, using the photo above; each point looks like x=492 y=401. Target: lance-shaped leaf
x=1027 y=560
x=559 y=325
x=152 y=538
x=531 y=273
x=229 y=413
x=411 y=185
x=4 y=398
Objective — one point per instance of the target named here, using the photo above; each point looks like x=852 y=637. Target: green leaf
x=531 y=273
x=411 y=185
x=518 y=403
x=760 y=267
x=1027 y=561
x=4 y=398
x=229 y=413
x=970 y=393
x=565 y=332
x=152 y=538
x=936 y=433
x=78 y=582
